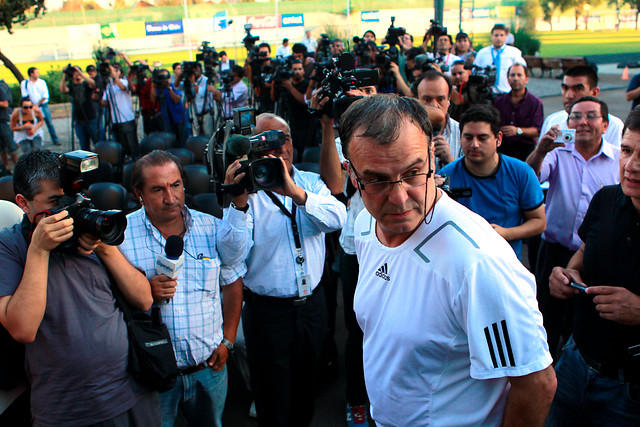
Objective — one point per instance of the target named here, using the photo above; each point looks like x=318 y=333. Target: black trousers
x=356 y=390
x=127 y=135
x=283 y=346
x=557 y=314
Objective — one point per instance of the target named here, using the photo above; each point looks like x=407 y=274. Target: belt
x=193 y=369
x=283 y=302
x=624 y=375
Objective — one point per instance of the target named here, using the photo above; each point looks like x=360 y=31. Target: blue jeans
x=46 y=112
x=586 y=398
x=200 y=396
x=29 y=145
x=86 y=132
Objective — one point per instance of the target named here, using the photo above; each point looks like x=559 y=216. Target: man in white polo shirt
x=37 y=91
x=452 y=333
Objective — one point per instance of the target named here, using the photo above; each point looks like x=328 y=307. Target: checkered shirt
x=194 y=314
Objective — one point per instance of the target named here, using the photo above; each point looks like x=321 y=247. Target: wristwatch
x=230 y=346
x=519 y=131
x=243 y=209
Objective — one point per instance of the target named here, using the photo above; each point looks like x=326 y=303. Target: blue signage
x=220 y=21
x=293 y=20
x=165 y=27
x=370 y=16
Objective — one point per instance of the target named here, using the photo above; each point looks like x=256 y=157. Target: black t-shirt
x=5 y=95
x=83 y=108
x=299 y=117
x=611 y=233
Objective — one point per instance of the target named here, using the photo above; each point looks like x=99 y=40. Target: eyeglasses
x=578 y=116
x=28 y=108
x=379 y=187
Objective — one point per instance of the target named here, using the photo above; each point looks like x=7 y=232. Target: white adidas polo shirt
x=447 y=317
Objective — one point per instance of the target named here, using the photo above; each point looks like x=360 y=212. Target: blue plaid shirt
x=213 y=252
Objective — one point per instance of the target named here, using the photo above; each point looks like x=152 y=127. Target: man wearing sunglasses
x=575 y=172
x=452 y=334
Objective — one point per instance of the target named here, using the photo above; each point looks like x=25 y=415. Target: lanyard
x=294 y=224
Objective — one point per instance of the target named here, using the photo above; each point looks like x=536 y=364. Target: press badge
x=304 y=285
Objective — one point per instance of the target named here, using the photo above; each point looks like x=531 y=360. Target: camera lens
x=267 y=173
x=108 y=226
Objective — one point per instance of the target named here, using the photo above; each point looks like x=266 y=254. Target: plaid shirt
x=194 y=314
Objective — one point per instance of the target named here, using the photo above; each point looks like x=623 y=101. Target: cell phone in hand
x=578 y=286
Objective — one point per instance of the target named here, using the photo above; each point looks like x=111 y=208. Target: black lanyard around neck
x=294 y=224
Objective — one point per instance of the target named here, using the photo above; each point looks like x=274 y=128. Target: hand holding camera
x=52 y=230
x=548 y=141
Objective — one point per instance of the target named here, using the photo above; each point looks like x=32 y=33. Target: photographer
x=300 y=120
x=285 y=314
x=254 y=69
x=118 y=98
x=60 y=303
x=443 y=56
x=199 y=103
x=144 y=87
x=171 y=106
x=300 y=53
x=96 y=97
x=501 y=56
x=81 y=88
x=460 y=93
x=337 y=47
x=234 y=93
x=463 y=48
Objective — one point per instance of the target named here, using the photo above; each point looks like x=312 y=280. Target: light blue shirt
x=213 y=255
x=271 y=261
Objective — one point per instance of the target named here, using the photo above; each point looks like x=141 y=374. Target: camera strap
x=302 y=279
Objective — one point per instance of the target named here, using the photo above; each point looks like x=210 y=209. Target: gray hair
x=380 y=117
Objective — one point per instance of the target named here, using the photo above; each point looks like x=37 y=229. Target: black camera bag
x=151 y=358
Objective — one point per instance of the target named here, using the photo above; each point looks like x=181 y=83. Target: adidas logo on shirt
x=382 y=272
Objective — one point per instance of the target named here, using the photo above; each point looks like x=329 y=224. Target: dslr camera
x=108 y=226
x=233 y=141
x=68 y=71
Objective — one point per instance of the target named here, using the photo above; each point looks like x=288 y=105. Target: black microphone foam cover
x=174 y=246
x=238 y=145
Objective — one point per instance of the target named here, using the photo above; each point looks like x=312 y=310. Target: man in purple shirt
x=521 y=115
x=575 y=171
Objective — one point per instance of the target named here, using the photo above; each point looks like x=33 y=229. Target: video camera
x=249 y=41
x=139 y=68
x=108 y=226
x=159 y=78
x=278 y=71
x=394 y=33
x=341 y=77
x=480 y=84
x=435 y=31
x=69 y=70
x=104 y=58
x=231 y=142
x=210 y=58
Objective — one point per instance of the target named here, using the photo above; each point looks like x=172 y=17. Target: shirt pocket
x=203 y=274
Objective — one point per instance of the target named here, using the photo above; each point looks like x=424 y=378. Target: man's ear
x=499 y=139
x=352 y=175
x=23 y=203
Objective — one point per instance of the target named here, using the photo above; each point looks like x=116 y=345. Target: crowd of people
x=427 y=187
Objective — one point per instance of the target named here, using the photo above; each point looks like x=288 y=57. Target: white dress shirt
x=613 y=135
x=283 y=51
x=120 y=104
x=510 y=55
x=271 y=265
x=35 y=91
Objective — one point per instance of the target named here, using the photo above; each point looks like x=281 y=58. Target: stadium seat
x=6 y=189
x=198 y=180
x=169 y=137
x=197 y=145
x=311 y=155
x=309 y=167
x=152 y=142
x=207 y=203
x=110 y=152
x=108 y=195
x=126 y=176
x=185 y=156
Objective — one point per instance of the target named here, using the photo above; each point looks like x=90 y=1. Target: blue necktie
x=495 y=53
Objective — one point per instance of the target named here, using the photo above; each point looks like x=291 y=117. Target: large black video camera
x=69 y=70
x=104 y=58
x=435 y=31
x=394 y=33
x=278 y=71
x=339 y=78
x=232 y=142
x=210 y=58
x=480 y=84
x=108 y=226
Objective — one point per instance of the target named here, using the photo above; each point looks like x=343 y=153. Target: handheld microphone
x=172 y=263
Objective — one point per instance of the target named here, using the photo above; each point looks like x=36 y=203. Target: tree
x=17 y=12
x=548 y=7
x=634 y=4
